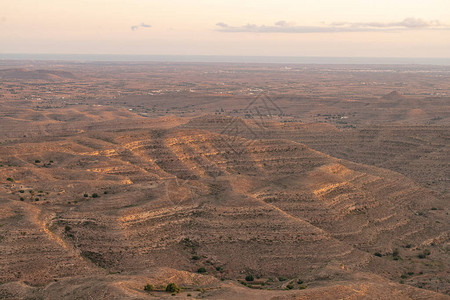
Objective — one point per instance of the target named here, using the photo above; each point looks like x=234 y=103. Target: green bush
x=201 y=270
x=148 y=287
x=94 y=195
x=249 y=278
x=378 y=254
x=281 y=278
x=290 y=286
x=10 y=179
x=172 y=288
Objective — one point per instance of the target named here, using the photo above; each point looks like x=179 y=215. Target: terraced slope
x=187 y=199
x=417 y=151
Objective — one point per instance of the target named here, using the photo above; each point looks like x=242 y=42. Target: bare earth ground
x=323 y=182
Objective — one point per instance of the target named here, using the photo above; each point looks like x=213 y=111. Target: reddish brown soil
x=114 y=176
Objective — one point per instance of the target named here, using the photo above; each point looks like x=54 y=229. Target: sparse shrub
x=404 y=276
x=378 y=254
x=67 y=228
x=410 y=273
x=172 y=288
x=85 y=195
x=195 y=257
x=302 y=287
x=281 y=278
x=22 y=199
x=189 y=295
x=94 y=195
x=395 y=253
x=290 y=286
x=21 y=191
x=201 y=270
x=105 y=192
x=37 y=161
x=219 y=268
x=424 y=254
x=299 y=281
x=148 y=287
x=249 y=278
x=10 y=179
x=433 y=208
x=408 y=246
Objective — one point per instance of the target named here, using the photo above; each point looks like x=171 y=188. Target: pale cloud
x=406 y=23
x=289 y=27
x=142 y=25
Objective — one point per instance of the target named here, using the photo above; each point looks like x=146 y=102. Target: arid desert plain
x=231 y=181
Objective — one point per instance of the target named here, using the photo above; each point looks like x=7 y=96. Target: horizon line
x=208 y=58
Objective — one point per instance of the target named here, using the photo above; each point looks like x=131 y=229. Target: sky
x=333 y=28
